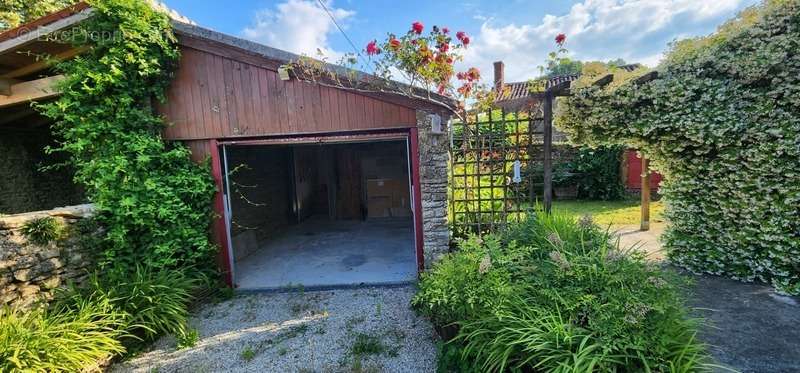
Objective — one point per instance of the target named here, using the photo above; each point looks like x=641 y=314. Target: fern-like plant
x=42 y=231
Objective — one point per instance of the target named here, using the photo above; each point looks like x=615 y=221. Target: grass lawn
x=610 y=212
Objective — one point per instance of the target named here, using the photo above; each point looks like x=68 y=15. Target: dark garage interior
x=320 y=214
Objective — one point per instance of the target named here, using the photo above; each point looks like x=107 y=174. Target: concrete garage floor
x=320 y=253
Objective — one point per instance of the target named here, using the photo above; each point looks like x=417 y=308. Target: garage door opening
x=334 y=214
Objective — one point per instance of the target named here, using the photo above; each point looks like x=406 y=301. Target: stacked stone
x=29 y=272
x=434 y=157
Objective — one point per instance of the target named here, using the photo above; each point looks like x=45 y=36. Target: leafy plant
x=570 y=301
x=188 y=339
x=42 y=340
x=42 y=231
x=461 y=285
x=153 y=201
x=720 y=123
x=152 y=301
x=247 y=354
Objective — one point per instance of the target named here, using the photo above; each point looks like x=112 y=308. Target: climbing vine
x=722 y=123
x=153 y=201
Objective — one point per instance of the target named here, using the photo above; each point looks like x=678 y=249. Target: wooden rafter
x=44 y=63
x=31 y=91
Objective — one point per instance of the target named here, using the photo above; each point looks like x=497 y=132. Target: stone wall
x=30 y=272
x=24 y=186
x=433 y=159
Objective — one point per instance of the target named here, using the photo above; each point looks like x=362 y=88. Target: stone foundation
x=433 y=160
x=30 y=272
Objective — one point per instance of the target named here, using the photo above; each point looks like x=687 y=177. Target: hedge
x=722 y=123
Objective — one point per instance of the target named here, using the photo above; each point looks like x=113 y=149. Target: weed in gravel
x=367 y=344
x=250 y=352
x=358 y=366
x=188 y=339
x=350 y=323
x=250 y=309
x=378 y=307
x=302 y=305
x=247 y=354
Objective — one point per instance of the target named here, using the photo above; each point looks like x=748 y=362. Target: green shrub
x=570 y=300
x=153 y=302
x=597 y=173
x=57 y=341
x=461 y=285
x=42 y=231
x=721 y=124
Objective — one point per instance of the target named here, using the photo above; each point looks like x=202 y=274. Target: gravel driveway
x=355 y=330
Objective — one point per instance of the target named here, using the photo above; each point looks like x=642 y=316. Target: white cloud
x=299 y=26
x=635 y=30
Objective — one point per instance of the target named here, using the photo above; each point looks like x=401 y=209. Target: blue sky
x=519 y=32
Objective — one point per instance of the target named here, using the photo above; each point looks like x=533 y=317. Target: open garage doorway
x=321 y=214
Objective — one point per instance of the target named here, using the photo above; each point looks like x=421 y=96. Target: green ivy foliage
x=722 y=123
x=154 y=202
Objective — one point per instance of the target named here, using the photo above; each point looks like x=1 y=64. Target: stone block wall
x=24 y=186
x=433 y=160
x=30 y=272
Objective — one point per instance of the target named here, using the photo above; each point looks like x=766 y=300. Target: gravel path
x=358 y=330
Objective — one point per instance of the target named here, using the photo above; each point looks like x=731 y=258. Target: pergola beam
x=33 y=90
x=604 y=81
x=653 y=75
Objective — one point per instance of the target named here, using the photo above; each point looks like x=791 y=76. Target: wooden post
x=645 y=225
x=547 y=148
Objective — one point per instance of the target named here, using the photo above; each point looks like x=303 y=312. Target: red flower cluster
x=470 y=78
x=372 y=48
x=417 y=27
x=462 y=36
x=430 y=57
x=560 y=39
x=394 y=43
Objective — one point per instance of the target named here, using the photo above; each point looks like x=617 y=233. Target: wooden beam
x=645 y=224
x=20 y=36
x=5 y=86
x=45 y=63
x=653 y=75
x=604 y=81
x=547 y=198
x=560 y=89
x=31 y=91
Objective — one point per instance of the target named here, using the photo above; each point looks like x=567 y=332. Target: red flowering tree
x=424 y=61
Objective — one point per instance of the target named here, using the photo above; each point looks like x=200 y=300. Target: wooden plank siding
x=215 y=97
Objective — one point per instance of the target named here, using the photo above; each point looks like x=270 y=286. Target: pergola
x=563 y=89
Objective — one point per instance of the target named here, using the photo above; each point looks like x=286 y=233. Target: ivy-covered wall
x=23 y=185
x=722 y=122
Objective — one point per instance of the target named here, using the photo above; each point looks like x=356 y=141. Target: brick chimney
x=499 y=76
